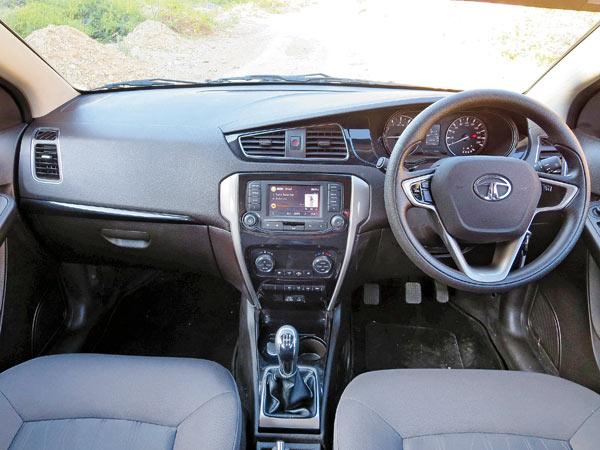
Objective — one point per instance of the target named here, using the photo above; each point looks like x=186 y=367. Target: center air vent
x=269 y=144
x=45 y=156
x=326 y=141
x=311 y=142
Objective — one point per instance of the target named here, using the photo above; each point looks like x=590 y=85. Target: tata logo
x=492 y=188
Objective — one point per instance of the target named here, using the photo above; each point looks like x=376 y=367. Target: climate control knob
x=338 y=222
x=264 y=263
x=322 y=264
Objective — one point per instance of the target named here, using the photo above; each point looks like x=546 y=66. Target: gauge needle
x=460 y=140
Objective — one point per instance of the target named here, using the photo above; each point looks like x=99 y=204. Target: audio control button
x=315 y=226
x=269 y=225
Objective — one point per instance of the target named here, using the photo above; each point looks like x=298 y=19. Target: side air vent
x=547 y=149
x=45 y=156
x=269 y=144
x=326 y=141
x=46 y=135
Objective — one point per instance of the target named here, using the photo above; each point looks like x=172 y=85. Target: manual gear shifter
x=286 y=347
x=289 y=389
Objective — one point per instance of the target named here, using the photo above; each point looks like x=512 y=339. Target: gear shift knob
x=286 y=347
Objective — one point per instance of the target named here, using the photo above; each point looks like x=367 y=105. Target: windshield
x=442 y=44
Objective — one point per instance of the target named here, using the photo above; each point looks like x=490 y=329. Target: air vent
x=547 y=149
x=326 y=141
x=270 y=144
x=46 y=162
x=45 y=155
x=46 y=135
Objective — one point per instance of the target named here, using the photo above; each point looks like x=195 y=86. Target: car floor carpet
x=395 y=335
x=185 y=315
x=402 y=346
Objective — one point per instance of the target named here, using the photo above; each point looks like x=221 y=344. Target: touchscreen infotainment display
x=294 y=200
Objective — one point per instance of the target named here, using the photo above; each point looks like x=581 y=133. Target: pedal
x=441 y=293
x=412 y=293
x=371 y=294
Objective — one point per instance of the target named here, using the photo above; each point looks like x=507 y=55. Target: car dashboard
x=137 y=176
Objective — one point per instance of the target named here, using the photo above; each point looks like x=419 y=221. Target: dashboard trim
x=76 y=209
x=229 y=200
x=360 y=207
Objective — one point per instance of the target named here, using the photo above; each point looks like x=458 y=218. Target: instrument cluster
x=464 y=134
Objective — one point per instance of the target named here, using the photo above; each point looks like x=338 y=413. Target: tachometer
x=394 y=127
x=467 y=135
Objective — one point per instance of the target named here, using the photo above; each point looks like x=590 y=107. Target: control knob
x=338 y=222
x=264 y=263
x=322 y=264
x=249 y=220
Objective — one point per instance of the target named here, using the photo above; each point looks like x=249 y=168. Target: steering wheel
x=487 y=200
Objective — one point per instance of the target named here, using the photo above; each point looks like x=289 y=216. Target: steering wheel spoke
x=557 y=192
x=418 y=190
x=503 y=259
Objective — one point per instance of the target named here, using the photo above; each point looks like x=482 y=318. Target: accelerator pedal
x=412 y=293
x=371 y=294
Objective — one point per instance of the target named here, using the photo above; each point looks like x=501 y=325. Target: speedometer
x=394 y=127
x=467 y=135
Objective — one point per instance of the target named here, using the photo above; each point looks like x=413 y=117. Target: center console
x=293 y=237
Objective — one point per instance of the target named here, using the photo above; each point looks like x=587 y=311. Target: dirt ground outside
x=436 y=43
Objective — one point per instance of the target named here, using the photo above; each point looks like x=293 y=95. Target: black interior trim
x=580 y=101
x=8 y=210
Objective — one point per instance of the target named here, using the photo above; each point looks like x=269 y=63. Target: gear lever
x=286 y=347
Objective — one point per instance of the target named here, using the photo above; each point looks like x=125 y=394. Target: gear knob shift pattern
x=286 y=347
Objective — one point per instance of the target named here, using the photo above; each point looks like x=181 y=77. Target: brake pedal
x=441 y=293
x=412 y=293
x=371 y=294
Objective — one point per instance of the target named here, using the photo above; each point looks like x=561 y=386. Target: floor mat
x=395 y=334
x=185 y=315
x=402 y=346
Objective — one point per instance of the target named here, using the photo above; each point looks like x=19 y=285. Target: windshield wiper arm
x=268 y=78
x=316 y=78
x=147 y=82
x=309 y=78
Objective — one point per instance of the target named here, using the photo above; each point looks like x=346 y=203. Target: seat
x=466 y=410
x=86 y=401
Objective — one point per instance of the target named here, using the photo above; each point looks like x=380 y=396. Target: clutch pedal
x=371 y=294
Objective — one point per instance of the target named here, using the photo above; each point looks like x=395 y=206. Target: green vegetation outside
x=109 y=20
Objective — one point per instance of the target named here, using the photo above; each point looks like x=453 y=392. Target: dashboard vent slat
x=326 y=141
x=268 y=144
